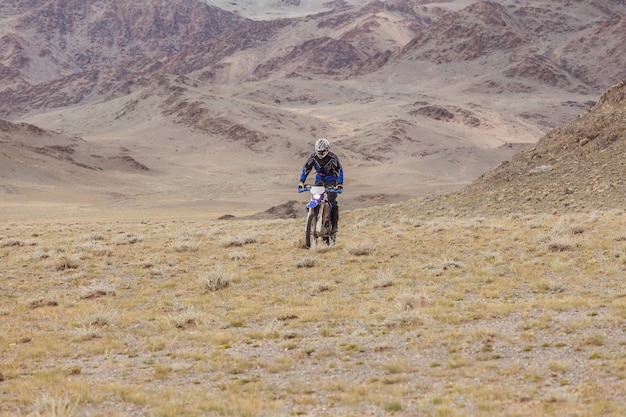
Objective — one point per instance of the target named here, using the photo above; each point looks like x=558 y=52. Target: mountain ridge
x=424 y=95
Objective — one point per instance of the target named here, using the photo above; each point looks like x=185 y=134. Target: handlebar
x=328 y=189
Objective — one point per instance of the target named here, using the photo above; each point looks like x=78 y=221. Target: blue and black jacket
x=328 y=168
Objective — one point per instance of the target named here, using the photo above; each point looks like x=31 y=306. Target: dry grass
x=408 y=314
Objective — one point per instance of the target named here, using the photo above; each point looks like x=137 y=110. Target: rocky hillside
x=576 y=167
x=48 y=40
x=569 y=45
x=60 y=53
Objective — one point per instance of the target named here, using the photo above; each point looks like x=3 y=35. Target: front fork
x=322 y=225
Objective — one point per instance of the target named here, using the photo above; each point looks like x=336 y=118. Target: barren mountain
x=60 y=53
x=416 y=96
x=54 y=39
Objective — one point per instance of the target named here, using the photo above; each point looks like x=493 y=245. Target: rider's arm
x=308 y=166
x=339 y=172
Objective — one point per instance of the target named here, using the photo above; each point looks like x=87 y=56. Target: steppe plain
x=124 y=294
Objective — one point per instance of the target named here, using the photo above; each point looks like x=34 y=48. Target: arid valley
x=151 y=235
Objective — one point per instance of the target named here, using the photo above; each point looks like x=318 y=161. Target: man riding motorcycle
x=329 y=174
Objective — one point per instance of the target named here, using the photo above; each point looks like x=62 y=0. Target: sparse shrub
x=65 y=263
x=184 y=243
x=128 y=239
x=384 y=279
x=74 y=370
x=40 y=302
x=362 y=224
x=361 y=249
x=50 y=406
x=241 y=240
x=393 y=406
x=235 y=255
x=92 y=246
x=300 y=244
x=94 y=237
x=558 y=366
x=306 y=262
x=410 y=222
x=214 y=280
x=595 y=339
x=568 y=227
x=446 y=265
x=408 y=302
x=101 y=317
x=560 y=245
x=185 y=246
x=382 y=347
x=404 y=319
x=186 y=318
x=87 y=332
x=396 y=366
x=492 y=256
x=595 y=355
x=436 y=226
x=40 y=254
x=11 y=242
x=434 y=270
x=98 y=289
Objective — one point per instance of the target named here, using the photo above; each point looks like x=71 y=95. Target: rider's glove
x=340 y=187
x=301 y=186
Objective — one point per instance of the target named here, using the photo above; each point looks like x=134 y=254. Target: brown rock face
x=53 y=39
x=575 y=167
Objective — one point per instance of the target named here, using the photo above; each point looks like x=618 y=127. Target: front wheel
x=309 y=237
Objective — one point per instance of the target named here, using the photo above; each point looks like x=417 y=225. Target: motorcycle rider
x=329 y=174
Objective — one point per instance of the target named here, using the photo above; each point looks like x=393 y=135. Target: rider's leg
x=334 y=212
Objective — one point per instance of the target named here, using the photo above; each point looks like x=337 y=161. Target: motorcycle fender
x=312 y=204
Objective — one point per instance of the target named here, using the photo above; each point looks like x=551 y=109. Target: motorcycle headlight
x=317 y=196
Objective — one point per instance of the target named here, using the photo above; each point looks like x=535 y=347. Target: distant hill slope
x=416 y=96
x=33 y=159
x=578 y=166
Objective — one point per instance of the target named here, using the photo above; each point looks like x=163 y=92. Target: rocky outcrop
x=578 y=166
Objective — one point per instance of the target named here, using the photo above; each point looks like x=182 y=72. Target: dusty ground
x=410 y=313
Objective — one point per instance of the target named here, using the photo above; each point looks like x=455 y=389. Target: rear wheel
x=310 y=229
x=330 y=238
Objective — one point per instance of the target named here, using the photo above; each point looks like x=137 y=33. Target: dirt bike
x=318 y=224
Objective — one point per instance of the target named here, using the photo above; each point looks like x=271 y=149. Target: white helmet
x=321 y=147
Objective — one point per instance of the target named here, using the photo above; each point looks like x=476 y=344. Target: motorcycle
x=318 y=224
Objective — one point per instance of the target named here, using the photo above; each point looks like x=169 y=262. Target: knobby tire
x=310 y=229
